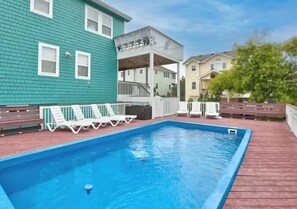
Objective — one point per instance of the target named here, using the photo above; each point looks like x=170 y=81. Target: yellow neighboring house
x=201 y=69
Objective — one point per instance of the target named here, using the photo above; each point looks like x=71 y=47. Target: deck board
x=266 y=179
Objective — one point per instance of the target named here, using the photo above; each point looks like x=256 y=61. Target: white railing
x=291 y=117
x=46 y=115
x=148 y=38
x=133 y=88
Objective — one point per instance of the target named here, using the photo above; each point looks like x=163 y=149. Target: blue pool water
x=169 y=166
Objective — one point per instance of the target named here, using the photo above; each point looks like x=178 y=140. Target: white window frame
x=100 y=22
x=111 y=26
x=50 y=15
x=194 y=86
x=77 y=53
x=40 y=46
x=193 y=67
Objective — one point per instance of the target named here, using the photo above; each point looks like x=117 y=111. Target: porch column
x=152 y=86
x=124 y=75
x=118 y=78
x=178 y=80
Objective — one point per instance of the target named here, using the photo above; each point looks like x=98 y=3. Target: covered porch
x=148 y=48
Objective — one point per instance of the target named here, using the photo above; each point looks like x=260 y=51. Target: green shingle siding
x=22 y=30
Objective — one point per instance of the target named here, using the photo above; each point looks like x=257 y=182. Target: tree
x=290 y=50
x=260 y=69
x=182 y=88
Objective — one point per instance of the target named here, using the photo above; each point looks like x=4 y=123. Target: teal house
x=58 y=51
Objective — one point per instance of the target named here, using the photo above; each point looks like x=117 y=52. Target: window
x=212 y=67
x=193 y=85
x=173 y=76
x=166 y=75
x=156 y=72
x=42 y=7
x=169 y=86
x=106 y=25
x=97 y=22
x=128 y=72
x=193 y=68
x=82 y=65
x=122 y=74
x=224 y=65
x=157 y=85
x=48 y=60
x=141 y=71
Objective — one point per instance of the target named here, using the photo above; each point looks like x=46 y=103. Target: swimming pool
x=163 y=165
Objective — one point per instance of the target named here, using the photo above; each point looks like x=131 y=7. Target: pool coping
x=219 y=195
x=216 y=198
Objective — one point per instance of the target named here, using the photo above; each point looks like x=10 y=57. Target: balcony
x=134 y=48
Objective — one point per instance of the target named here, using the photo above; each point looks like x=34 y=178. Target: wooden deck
x=267 y=178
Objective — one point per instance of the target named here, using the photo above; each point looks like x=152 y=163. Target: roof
x=161 y=68
x=113 y=10
x=204 y=57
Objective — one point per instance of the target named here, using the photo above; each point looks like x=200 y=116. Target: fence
x=165 y=106
x=46 y=115
x=291 y=115
x=252 y=110
x=170 y=106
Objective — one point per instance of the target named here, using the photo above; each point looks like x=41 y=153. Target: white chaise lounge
x=114 y=121
x=60 y=121
x=211 y=110
x=96 y=122
x=126 y=118
x=196 y=109
x=183 y=109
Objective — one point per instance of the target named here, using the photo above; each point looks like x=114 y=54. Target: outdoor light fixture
x=67 y=54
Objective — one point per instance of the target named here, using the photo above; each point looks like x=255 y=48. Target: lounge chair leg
x=50 y=128
x=114 y=124
x=96 y=127
x=73 y=130
x=128 y=120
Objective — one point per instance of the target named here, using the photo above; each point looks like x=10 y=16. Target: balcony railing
x=133 y=89
x=144 y=40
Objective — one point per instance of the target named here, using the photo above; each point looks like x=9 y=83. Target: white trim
x=77 y=53
x=208 y=73
x=113 y=10
x=100 y=22
x=50 y=15
x=40 y=73
x=217 y=54
x=191 y=60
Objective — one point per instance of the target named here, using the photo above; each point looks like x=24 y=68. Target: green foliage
x=290 y=47
x=260 y=69
x=208 y=98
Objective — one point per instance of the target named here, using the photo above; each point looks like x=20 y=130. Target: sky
x=209 y=26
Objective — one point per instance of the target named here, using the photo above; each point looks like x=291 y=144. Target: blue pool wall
x=222 y=188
